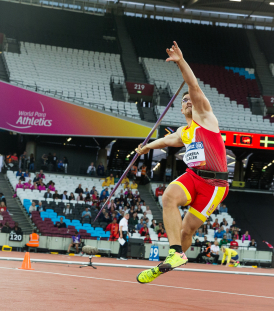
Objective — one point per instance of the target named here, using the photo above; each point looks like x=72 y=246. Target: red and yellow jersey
x=205 y=150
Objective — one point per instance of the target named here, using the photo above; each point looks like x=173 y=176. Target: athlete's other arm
x=173 y=140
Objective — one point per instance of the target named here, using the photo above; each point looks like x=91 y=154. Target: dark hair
x=185 y=93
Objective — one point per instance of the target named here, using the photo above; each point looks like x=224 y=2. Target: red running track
x=64 y=287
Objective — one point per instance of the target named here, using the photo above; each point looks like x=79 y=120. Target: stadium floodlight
x=271 y=3
x=163 y=150
x=69 y=139
x=236 y=0
x=231 y=163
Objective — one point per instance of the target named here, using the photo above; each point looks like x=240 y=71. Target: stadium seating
x=201 y=44
x=225 y=89
x=77 y=75
x=54 y=208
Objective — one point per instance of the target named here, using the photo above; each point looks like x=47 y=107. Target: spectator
x=60 y=224
x=18 y=186
x=223 y=208
x=80 y=197
x=2 y=198
x=79 y=189
x=110 y=179
x=139 y=210
x=216 y=224
x=103 y=195
x=126 y=187
x=140 y=225
x=204 y=252
x=31 y=162
x=40 y=208
x=215 y=252
x=3 y=207
x=67 y=210
x=76 y=240
x=236 y=235
x=133 y=220
x=153 y=224
x=95 y=197
x=105 y=183
x=234 y=244
x=101 y=169
x=159 y=191
x=65 y=164
x=86 y=192
x=144 y=231
x=6 y=228
x=133 y=171
x=19 y=173
x=162 y=234
x=60 y=166
x=51 y=186
x=91 y=169
x=200 y=233
x=147 y=239
x=223 y=241
x=133 y=185
x=205 y=241
x=88 y=200
x=209 y=225
x=252 y=244
x=228 y=234
x=23 y=160
x=44 y=159
x=22 y=177
x=114 y=230
x=168 y=173
x=246 y=237
x=36 y=178
x=218 y=234
x=28 y=185
x=234 y=224
x=71 y=197
x=198 y=243
x=54 y=161
x=86 y=214
x=159 y=227
x=116 y=179
x=148 y=211
x=41 y=185
x=41 y=175
x=93 y=190
x=56 y=195
x=223 y=222
x=32 y=208
x=17 y=229
x=64 y=196
x=14 y=158
x=204 y=229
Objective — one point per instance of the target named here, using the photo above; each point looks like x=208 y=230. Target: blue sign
x=154 y=253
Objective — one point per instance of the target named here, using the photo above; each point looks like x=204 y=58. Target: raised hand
x=175 y=54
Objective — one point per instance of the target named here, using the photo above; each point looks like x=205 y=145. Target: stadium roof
x=246 y=7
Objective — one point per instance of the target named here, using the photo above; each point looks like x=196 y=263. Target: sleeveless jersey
x=205 y=150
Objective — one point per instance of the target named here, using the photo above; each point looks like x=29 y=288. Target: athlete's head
x=186 y=105
x=223 y=249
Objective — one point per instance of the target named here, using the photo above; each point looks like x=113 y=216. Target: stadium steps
x=261 y=66
x=117 y=92
x=3 y=72
x=133 y=70
x=146 y=195
x=164 y=96
x=149 y=115
x=14 y=206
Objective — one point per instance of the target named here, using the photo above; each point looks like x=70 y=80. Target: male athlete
x=204 y=185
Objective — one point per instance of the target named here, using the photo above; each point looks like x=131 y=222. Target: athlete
x=204 y=185
x=232 y=256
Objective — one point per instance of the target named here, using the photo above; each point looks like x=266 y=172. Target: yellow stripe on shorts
x=197 y=214
x=188 y=196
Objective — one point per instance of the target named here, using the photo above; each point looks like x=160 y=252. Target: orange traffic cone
x=26 y=265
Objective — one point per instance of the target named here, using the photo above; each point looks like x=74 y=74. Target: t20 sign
x=140 y=88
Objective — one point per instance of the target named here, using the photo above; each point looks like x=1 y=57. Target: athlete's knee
x=187 y=232
x=171 y=198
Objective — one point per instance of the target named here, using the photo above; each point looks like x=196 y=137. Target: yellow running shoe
x=172 y=261
x=149 y=275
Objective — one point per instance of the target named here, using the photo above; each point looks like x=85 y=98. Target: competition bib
x=195 y=155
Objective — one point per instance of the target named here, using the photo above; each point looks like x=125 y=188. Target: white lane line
x=136 y=283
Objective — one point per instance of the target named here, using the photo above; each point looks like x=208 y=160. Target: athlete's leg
x=190 y=224
x=173 y=197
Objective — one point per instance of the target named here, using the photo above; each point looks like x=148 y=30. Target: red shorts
x=202 y=197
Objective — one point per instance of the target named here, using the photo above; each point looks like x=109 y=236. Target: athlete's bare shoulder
x=179 y=131
x=206 y=119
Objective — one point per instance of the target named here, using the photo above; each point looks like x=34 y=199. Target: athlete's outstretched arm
x=198 y=98
x=173 y=140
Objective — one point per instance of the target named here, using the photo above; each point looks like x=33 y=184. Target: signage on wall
x=140 y=88
x=236 y=139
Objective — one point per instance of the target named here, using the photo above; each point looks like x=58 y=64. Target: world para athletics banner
x=28 y=112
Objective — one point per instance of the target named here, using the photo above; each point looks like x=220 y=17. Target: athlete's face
x=187 y=106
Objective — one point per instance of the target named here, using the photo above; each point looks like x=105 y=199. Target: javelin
x=144 y=143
